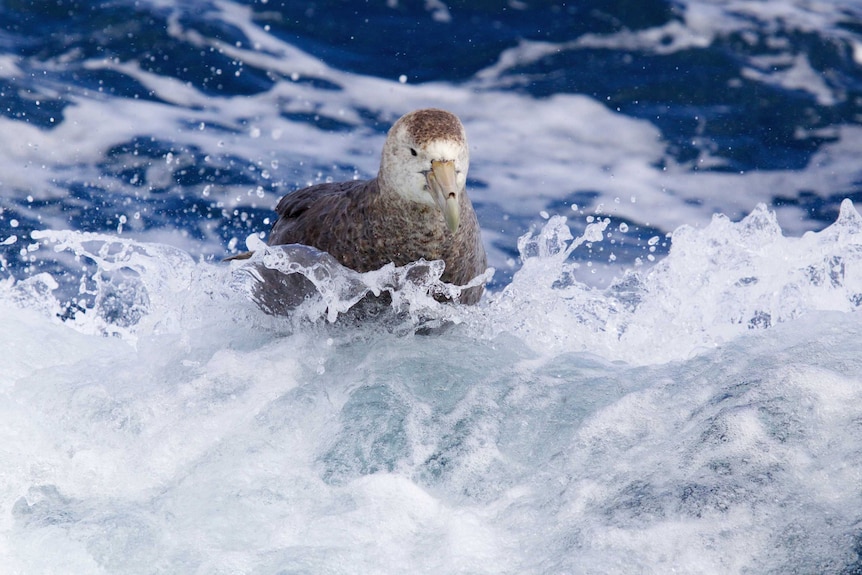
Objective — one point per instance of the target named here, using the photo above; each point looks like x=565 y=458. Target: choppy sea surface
x=665 y=375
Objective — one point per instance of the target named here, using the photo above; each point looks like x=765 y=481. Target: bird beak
x=443 y=184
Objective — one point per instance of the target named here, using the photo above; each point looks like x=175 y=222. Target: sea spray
x=716 y=283
x=561 y=428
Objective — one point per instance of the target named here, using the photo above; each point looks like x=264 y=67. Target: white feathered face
x=425 y=160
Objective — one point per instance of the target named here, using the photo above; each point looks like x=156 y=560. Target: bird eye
x=412 y=151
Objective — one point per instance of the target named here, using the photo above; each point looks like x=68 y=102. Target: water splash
x=124 y=288
x=368 y=445
x=309 y=284
x=715 y=284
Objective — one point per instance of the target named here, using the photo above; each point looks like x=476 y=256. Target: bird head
x=425 y=160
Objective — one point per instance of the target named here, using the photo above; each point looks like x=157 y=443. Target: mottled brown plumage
x=415 y=208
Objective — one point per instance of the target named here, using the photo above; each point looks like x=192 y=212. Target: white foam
x=225 y=446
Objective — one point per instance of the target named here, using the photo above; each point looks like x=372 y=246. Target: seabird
x=417 y=207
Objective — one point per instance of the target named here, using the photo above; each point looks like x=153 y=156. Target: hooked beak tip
x=452 y=213
x=443 y=185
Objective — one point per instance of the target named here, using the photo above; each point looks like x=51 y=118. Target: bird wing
x=315 y=216
x=294 y=204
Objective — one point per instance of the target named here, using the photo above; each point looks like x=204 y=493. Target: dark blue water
x=722 y=96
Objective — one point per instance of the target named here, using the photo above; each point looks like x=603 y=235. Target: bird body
x=417 y=207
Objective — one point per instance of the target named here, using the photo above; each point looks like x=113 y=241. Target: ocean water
x=665 y=375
